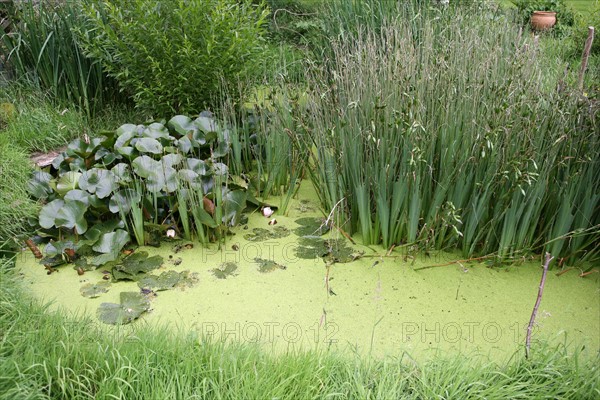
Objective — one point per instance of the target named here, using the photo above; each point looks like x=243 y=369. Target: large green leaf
x=196 y=165
x=39 y=185
x=98 y=181
x=148 y=145
x=182 y=124
x=68 y=181
x=124 y=135
x=78 y=195
x=122 y=200
x=121 y=173
x=101 y=228
x=72 y=215
x=48 y=213
x=234 y=201
x=156 y=131
x=110 y=244
x=145 y=166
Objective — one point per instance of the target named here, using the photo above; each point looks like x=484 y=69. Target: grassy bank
x=54 y=356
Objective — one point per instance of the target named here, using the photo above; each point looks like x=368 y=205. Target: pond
x=268 y=285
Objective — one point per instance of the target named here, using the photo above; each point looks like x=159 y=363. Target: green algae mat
x=296 y=285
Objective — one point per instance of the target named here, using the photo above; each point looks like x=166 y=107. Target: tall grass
x=440 y=128
x=15 y=205
x=43 y=48
x=51 y=355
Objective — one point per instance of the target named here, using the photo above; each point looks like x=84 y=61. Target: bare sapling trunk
x=549 y=258
x=586 y=55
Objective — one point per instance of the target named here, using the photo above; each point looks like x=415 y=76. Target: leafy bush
x=128 y=182
x=565 y=15
x=174 y=56
x=43 y=48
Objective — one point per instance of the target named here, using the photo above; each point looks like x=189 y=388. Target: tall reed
x=439 y=127
x=43 y=48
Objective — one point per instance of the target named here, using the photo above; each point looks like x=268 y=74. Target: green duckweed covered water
x=267 y=285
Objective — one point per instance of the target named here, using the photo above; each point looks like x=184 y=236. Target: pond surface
x=259 y=288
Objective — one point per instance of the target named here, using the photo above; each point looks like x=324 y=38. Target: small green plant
x=174 y=56
x=136 y=181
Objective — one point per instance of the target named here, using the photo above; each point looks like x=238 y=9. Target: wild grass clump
x=15 y=205
x=440 y=129
x=51 y=355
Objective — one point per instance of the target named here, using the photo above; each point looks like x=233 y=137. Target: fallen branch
x=456 y=262
x=549 y=258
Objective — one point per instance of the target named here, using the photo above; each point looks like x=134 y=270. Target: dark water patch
x=93 y=290
x=183 y=246
x=311 y=226
x=262 y=234
x=224 y=270
x=266 y=266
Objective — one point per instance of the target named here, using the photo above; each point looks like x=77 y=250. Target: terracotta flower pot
x=543 y=20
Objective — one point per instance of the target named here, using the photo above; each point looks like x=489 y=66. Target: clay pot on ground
x=543 y=20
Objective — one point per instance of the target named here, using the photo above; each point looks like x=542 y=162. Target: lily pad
x=265 y=266
x=311 y=226
x=262 y=234
x=164 y=281
x=331 y=250
x=93 y=290
x=136 y=266
x=225 y=269
x=132 y=305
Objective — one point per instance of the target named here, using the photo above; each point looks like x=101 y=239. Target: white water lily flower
x=267 y=211
x=170 y=233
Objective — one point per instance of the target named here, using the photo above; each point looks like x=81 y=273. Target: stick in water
x=549 y=258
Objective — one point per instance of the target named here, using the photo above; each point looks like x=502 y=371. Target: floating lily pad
x=338 y=252
x=132 y=305
x=92 y=290
x=136 y=266
x=331 y=250
x=164 y=281
x=305 y=206
x=262 y=234
x=311 y=226
x=225 y=269
x=310 y=247
x=265 y=266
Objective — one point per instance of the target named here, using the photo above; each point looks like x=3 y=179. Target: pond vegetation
x=381 y=178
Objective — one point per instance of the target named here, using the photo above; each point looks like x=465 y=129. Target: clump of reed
x=441 y=128
x=43 y=48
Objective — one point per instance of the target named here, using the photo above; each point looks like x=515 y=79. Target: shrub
x=174 y=56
